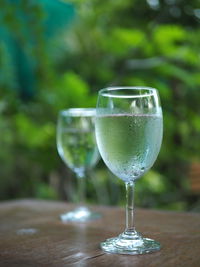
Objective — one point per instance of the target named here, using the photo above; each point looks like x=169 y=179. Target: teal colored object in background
x=52 y=17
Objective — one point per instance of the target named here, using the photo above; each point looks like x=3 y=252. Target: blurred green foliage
x=121 y=42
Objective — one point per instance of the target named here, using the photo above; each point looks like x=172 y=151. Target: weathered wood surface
x=52 y=243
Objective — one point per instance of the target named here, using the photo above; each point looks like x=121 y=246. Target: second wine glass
x=77 y=147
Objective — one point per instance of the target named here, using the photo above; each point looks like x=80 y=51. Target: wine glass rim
x=108 y=91
x=78 y=112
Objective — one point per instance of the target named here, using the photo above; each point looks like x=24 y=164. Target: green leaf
x=72 y=91
x=168 y=38
x=122 y=40
x=32 y=134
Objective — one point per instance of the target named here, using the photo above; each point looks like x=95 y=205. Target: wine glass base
x=80 y=214
x=131 y=246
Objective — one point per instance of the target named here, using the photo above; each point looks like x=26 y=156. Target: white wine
x=129 y=144
x=76 y=144
x=77 y=148
x=129 y=135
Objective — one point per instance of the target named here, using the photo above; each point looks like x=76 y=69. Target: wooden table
x=31 y=234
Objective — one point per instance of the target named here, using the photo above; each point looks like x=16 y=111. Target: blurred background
x=57 y=54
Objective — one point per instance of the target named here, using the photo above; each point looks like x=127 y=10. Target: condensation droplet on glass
x=135 y=174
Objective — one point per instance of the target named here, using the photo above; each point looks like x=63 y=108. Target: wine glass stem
x=81 y=189
x=130 y=226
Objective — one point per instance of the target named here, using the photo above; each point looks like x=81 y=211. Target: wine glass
x=129 y=134
x=77 y=147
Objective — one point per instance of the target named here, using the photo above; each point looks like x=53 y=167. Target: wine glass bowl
x=129 y=135
x=77 y=147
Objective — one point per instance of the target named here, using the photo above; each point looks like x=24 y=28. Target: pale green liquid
x=78 y=148
x=129 y=144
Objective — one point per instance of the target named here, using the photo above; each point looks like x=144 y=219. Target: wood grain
x=31 y=234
